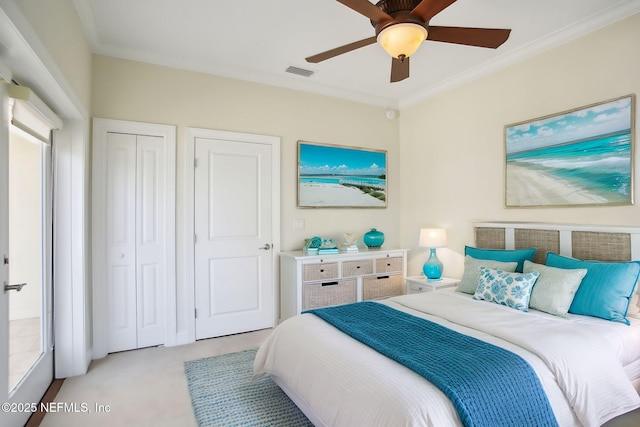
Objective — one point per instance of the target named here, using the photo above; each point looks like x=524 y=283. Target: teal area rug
x=222 y=394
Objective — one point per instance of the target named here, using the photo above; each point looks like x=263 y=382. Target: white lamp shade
x=402 y=39
x=433 y=238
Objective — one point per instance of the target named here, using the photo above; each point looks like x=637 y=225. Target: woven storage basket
x=317 y=272
x=389 y=265
x=357 y=268
x=316 y=295
x=382 y=287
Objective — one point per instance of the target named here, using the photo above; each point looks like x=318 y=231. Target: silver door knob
x=266 y=247
x=17 y=287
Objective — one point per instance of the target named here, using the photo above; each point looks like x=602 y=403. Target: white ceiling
x=256 y=40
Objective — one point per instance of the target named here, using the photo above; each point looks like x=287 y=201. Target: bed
x=586 y=364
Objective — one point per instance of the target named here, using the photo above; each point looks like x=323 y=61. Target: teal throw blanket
x=488 y=385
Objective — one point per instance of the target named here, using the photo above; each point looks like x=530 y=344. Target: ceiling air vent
x=299 y=71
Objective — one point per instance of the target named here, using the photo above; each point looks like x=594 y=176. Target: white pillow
x=555 y=288
x=469 y=281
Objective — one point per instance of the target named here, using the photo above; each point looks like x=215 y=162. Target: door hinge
x=195 y=313
x=6 y=260
x=195 y=238
x=195 y=163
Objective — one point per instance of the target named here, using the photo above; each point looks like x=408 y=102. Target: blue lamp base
x=432 y=267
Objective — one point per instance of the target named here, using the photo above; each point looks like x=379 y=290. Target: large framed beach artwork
x=581 y=157
x=333 y=176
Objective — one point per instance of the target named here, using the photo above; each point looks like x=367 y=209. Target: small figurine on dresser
x=349 y=243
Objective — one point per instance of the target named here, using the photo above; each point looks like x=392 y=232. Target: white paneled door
x=133 y=234
x=135 y=240
x=233 y=255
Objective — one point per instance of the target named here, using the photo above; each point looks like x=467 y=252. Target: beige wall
x=445 y=154
x=128 y=90
x=58 y=27
x=448 y=169
x=452 y=146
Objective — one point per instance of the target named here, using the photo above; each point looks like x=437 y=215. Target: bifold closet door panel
x=151 y=238
x=136 y=240
x=121 y=241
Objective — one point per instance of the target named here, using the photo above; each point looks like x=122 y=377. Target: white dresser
x=311 y=281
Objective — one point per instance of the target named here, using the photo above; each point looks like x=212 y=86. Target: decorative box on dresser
x=312 y=281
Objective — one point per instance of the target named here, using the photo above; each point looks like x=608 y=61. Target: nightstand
x=417 y=284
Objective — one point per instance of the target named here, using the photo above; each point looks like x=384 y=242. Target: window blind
x=30 y=114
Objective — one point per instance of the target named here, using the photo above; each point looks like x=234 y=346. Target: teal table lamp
x=432 y=238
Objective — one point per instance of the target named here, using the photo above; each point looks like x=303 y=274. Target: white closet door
x=121 y=241
x=150 y=236
x=136 y=240
x=133 y=251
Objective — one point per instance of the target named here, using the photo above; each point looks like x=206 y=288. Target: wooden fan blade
x=367 y=9
x=481 y=37
x=399 y=69
x=427 y=9
x=340 y=50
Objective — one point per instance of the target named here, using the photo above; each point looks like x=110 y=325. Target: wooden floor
x=36 y=418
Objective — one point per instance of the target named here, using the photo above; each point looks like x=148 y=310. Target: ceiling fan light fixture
x=403 y=39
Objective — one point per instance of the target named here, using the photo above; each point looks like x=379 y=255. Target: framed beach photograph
x=581 y=157
x=333 y=176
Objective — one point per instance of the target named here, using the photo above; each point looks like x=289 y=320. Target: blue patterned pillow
x=505 y=288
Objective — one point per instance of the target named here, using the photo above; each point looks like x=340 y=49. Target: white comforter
x=337 y=381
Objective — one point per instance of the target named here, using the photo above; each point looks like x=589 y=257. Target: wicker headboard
x=590 y=242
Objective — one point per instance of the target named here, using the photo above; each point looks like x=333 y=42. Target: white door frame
x=30 y=60
x=99 y=258
x=186 y=290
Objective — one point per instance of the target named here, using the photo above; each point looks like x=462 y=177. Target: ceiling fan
x=402 y=25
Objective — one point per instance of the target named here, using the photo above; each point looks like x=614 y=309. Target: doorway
x=26 y=337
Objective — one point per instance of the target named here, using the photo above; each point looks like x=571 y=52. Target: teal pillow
x=503 y=255
x=505 y=288
x=469 y=281
x=606 y=289
x=555 y=288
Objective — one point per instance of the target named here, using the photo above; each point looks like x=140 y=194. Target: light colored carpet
x=143 y=388
x=223 y=394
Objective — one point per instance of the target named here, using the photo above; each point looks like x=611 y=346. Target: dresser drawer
x=382 y=286
x=357 y=268
x=316 y=295
x=389 y=265
x=323 y=271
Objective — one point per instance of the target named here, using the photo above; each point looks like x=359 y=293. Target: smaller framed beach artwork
x=334 y=176
x=580 y=157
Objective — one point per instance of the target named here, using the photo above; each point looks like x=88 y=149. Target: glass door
x=27 y=348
